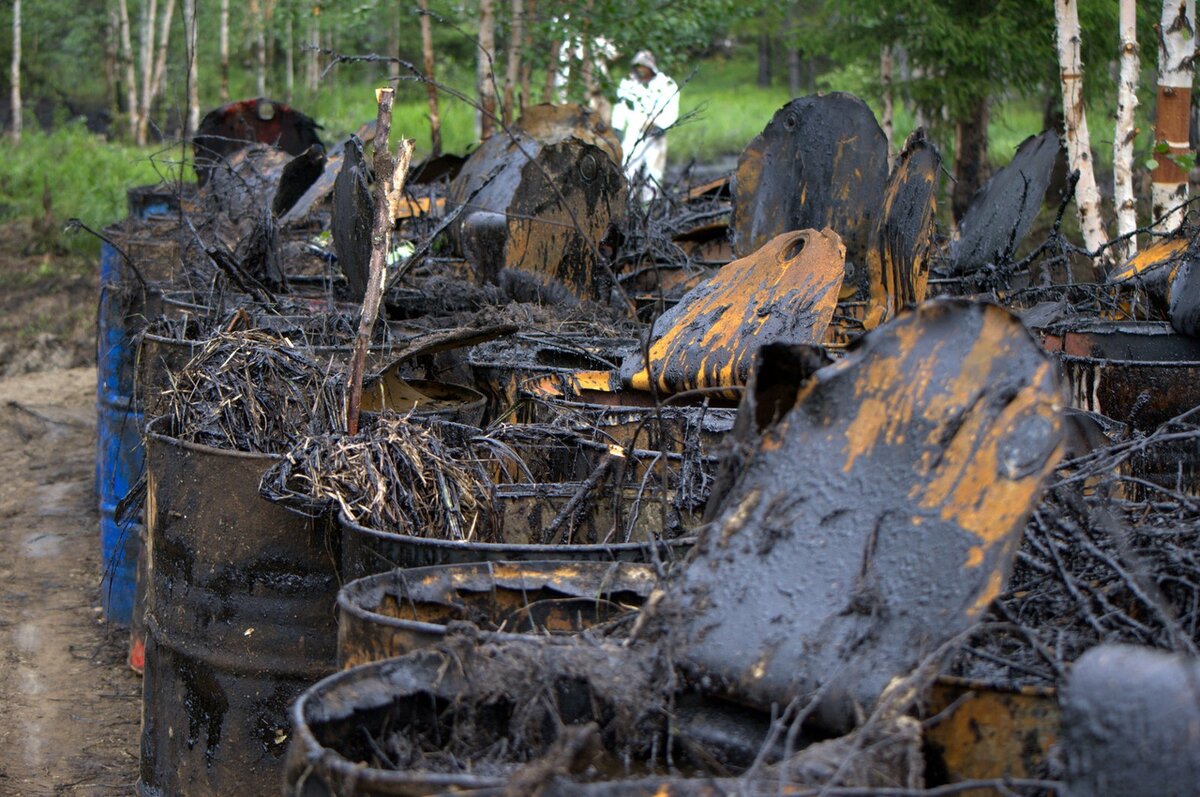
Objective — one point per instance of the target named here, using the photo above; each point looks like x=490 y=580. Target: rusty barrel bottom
x=366 y=551
x=234 y=718
x=394 y=613
x=989 y=731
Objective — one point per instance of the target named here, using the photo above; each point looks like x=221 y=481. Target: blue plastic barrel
x=120 y=459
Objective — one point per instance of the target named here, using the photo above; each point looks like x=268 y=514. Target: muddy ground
x=69 y=706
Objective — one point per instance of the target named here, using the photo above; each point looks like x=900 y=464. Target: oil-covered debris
x=538 y=203
x=784 y=293
x=820 y=162
x=879 y=518
x=299 y=175
x=250 y=391
x=231 y=127
x=1003 y=210
x=396 y=475
x=1131 y=724
x=353 y=210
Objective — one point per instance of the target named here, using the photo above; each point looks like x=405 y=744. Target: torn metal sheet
x=879 y=518
x=353 y=212
x=820 y=162
x=1131 y=724
x=1002 y=212
x=298 y=176
x=547 y=205
x=783 y=293
x=231 y=127
x=898 y=257
x=320 y=189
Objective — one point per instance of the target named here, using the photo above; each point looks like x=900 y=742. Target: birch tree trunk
x=1124 y=131
x=312 y=74
x=111 y=62
x=513 y=66
x=223 y=35
x=260 y=47
x=1079 y=148
x=1177 y=47
x=160 y=58
x=193 y=79
x=289 y=61
x=435 y=120
x=485 y=88
x=149 y=16
x=15 y=74
x=130 y=79
x=526 y=64
x=889 y=111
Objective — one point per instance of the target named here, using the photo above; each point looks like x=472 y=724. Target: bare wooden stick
x=388 y=171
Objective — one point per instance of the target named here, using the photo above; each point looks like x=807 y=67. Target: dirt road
x=69 y=707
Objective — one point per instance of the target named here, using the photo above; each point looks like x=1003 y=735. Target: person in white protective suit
x=647 y=104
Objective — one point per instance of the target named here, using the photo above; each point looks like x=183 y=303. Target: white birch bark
x=1177 y=47
x=160 y=44
x=149 y=16
x=1079 y=149
x=189 y=34
x=15 y=74
x=1124 y=131
x=312 y=73
x=130 y=73
x=289 y=61
x=223 y=36
x=889 y=113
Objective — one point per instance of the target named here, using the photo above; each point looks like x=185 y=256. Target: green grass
x=86 y=176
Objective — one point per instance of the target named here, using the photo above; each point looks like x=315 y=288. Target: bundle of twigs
x=253 y=391
x=1097 y=566
x=397 y=475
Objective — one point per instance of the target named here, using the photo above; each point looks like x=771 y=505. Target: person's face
x=643 y=73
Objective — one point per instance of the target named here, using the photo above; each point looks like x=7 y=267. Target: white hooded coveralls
x=640 y=108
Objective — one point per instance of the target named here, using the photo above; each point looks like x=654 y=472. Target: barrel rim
x=367 y=584
x=165 y=439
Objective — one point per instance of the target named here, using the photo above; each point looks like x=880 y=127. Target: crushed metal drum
x=783 y=293
x=231 y=127
x=879 y=518
x=1003 y=210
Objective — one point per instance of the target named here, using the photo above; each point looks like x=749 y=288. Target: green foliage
x=87 y=178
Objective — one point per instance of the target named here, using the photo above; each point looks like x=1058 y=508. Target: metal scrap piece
x=1001 y=213
x=879 y=518
x=353 y=210
x=783 y=293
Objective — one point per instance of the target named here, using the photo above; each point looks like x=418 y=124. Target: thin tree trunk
x=552 y=65
x=526 y=64
x=764 y=60
x=193 y=79
x=970 y=157
x=1124 y=132
x=513 y=67
x=15 y=75
x=1079 y=147
x=260 y=47
x=435 y=119
x=885 y=78
x=1177 y=47
x=312 y=74
x=149 y=17
x=111 y=59
x=484 y=77
x=130 y=79
x=289 y=62
x=160 y=58
x=224 y=49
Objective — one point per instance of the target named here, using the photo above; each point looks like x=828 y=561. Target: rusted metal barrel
x=1140 y=373
x=523 y=509
x=394 y=613
x=240 y=621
